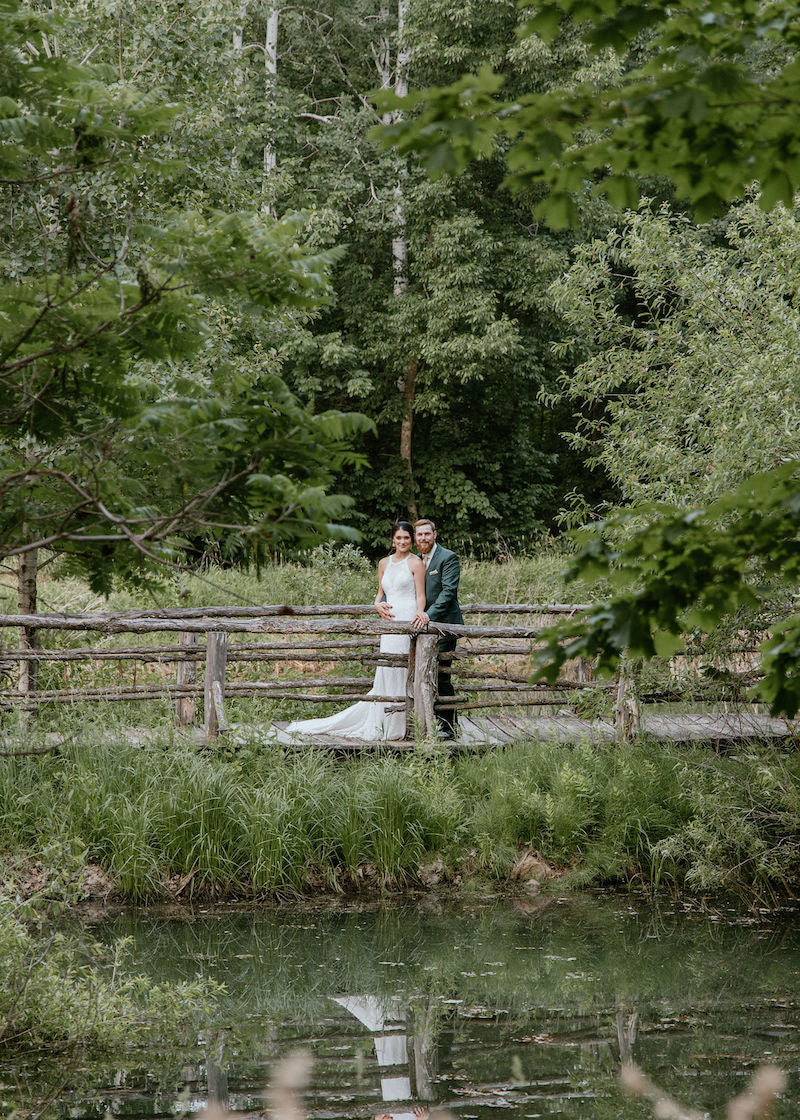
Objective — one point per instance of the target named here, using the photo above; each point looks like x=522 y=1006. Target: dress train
x=367 y=720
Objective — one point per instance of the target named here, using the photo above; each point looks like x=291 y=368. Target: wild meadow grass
x=167 y=815
x=329 y=574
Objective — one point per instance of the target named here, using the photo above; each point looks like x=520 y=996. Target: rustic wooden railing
x=319 y=636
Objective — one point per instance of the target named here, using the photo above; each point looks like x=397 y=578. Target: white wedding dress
x=365 y=719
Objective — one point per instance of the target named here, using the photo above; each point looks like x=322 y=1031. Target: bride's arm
x=382 y=607
x=419 y=582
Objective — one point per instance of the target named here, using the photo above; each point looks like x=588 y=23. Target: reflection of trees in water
x=281 y=965
x=584 y=982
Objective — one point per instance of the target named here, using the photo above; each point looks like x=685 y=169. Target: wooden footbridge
x=294 y=659
x=722 y=729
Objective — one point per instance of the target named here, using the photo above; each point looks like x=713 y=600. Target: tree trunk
x=270 y=77
x=26 y=604
x=238 y=76
x=407 y=381
x=407 y=386
x=383 y=57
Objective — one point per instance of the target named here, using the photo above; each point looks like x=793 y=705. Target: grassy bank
x=166 y=819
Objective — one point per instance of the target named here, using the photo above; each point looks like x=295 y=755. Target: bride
x=401 y=594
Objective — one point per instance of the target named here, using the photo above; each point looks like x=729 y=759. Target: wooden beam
x=107 y=624
x=342 y=609
x=268 y=691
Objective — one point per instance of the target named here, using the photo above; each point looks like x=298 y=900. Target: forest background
x=437 y=317
x=515 y=377
x=235 y=323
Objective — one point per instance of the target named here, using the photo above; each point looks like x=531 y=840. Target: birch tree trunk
x=407 y=381
x=270 y=77
x=238 y=75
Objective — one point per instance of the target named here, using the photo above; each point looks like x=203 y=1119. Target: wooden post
x=186 y=706
x=627 y=717
x=583 y=671
x=412 y=658
x=26 y=604
x=216 y=656
x=218 y=697
x=425 y=678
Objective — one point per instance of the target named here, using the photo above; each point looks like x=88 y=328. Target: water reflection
x=407 y=1044
x=527 y=1009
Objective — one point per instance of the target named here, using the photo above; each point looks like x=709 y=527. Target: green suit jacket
x=441 y=586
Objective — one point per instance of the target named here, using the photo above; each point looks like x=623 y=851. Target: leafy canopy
x=109 y=292
x=683 y=571
x=706 y=94
x=688 y=347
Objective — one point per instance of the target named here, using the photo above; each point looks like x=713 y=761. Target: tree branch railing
x=299 y=636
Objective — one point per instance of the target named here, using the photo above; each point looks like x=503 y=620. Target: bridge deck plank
x=677 y=728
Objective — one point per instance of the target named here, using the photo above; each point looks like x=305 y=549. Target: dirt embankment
x=90 y=884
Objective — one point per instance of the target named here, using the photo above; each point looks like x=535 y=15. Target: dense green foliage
x=689 y=362
x=691 y=377
x=62 y=989
x=455 y=343
x=681 y=572
x=703 y=93
x=110 y=285
x=256 y=822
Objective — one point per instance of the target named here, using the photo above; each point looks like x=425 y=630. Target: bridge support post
x=213 y=710
x=425 y=678
x=186 y=706
x=627 y=715
x=412 y=659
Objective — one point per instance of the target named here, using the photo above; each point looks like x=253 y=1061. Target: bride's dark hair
x=409 y=528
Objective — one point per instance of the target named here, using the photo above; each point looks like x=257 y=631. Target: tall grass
x=329 y=574
x=161 y=818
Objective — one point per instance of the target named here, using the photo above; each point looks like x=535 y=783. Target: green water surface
x=526 y=1007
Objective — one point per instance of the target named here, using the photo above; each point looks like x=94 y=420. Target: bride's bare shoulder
x=415 y=562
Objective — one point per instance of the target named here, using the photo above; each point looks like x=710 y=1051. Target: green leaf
x=546 y=22
x=558 y=210
x=774 y=189
x=621 y=191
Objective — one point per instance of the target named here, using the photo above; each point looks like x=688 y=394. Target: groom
x=442 y=573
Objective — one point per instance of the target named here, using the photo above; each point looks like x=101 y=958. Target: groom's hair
x=424 y=521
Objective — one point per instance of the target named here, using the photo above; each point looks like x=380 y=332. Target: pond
x=525 y=1007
